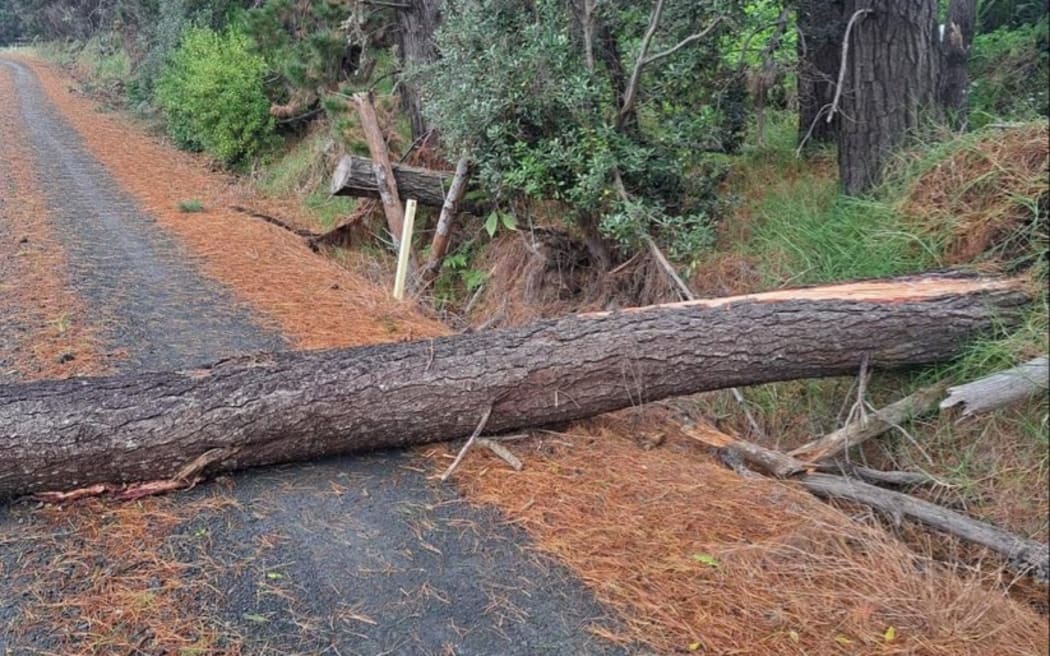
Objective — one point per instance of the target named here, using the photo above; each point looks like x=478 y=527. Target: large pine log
x=294 y=406
x=354 y=176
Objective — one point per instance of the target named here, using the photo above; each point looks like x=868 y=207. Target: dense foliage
x=212 y=94
x=514 y=87
x=1010 y=67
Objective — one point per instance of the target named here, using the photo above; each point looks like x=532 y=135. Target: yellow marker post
x=405 y=249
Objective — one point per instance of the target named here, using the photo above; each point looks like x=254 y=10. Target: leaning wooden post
x=405 y=249
x=381 y=167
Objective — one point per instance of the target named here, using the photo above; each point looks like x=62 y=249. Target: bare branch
x=683 y=43
x=845 y=56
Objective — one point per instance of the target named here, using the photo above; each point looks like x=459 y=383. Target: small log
x=1000 y=389
x=449 y=209
x=873 y=425
x=354 y=177
x=1022 y=555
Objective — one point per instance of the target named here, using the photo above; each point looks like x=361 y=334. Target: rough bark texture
x=820 y=28
x=354 y=177
x=956 y=37
x=417 y=21
x=890 y=85
x=295 y=406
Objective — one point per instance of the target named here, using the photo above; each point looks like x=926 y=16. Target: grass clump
x=191 y=206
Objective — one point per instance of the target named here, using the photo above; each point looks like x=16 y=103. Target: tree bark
x=890 y=85
x=417 y=21
x=955 y=37
x=296 y=406
x=354 y=177
x=820 y=27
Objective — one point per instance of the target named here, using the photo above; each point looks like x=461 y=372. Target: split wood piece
x=282 y=407
x=354 y=176
x=1001 y=389
x=871 y=425
x=449 y=210
x=502 y=452
x=1022 y=555
x=382 y=171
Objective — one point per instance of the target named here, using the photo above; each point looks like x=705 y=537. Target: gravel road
x=427 y=572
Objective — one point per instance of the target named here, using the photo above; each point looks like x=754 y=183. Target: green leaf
x=890 y=634
x=258 y=619
x=492 y=224
x=274 y=576
x=706 y=559
x=510 y=222
x=695 y=646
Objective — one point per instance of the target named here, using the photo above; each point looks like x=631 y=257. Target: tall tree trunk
x=294 y=406
x=820 y=26
x=956 y=36
x=417 y=22
x=890 y=85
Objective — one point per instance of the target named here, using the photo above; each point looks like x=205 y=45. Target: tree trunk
x=295 y=406
x=354 y=177
x=417 y=22
x=820 y=27
x=890 y=85
x=956 y=36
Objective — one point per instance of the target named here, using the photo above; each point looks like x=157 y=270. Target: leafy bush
x=513 y=87
x=212 y=92
x=1010 y=68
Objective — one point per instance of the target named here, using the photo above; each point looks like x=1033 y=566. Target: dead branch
x=1000 y=389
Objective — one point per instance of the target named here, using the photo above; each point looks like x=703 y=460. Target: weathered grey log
x=354 y=176
x=1001 y=389
x=1022 y=555
x=873 y=425
x=296 y=406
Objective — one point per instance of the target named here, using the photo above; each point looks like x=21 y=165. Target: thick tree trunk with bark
x=354 y=176
x=295 y=406
x=820 y=27
x=890 y=85
x=417 y=21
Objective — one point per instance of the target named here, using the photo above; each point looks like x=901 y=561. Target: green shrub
x=1009 y=68
x=212 y=92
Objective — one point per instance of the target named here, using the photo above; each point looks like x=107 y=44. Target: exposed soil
x=350 y=556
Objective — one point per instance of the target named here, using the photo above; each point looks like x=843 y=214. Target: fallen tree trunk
x=354 y=176
x=295 y=406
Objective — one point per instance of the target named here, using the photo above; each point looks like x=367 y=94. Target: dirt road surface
x=359 y=555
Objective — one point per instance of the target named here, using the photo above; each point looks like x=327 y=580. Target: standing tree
x=889 y=84
x=417 y=22
x=820 y=24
